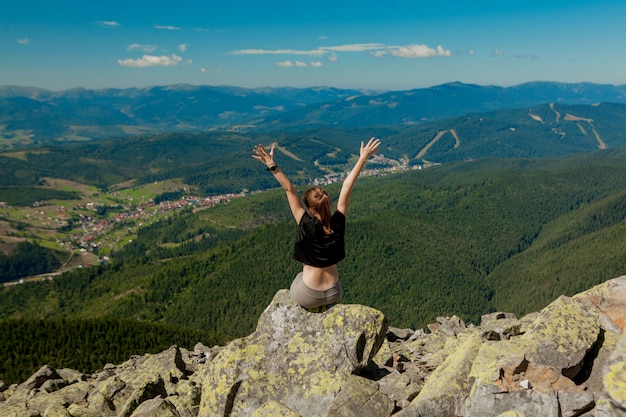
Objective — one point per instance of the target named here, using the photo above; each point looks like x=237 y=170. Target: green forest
x=28 y=259
x=464 y=238
x=85 y=345
x=26 y=196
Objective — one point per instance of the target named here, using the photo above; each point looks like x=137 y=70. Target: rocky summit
x=566 y=360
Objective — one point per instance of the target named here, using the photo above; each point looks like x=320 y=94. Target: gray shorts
x=309 y=298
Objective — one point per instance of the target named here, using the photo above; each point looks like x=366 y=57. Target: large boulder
x=296 y=358
x=534 y=371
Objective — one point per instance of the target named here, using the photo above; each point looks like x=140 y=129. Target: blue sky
x=382 y=45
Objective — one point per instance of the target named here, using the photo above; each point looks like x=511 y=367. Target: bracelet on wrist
x=272 y=168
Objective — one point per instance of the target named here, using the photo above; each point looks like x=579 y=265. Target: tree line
x=85 y=345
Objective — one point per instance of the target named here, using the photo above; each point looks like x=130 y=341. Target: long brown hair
x=318 y=202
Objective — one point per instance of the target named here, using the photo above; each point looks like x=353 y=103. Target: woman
x=320 y=240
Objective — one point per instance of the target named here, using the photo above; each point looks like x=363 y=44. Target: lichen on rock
x=297 y=358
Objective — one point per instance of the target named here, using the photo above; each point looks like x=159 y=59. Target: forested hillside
x=465 y=239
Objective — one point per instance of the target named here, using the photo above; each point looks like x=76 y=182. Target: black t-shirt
x=314 y=247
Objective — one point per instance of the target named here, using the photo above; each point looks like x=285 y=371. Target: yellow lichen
x=295 y=343
x=450 y=377
x=322 y=383
x=615 y=381
x=564 y=323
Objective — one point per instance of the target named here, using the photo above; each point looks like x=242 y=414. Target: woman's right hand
x=370 y=149
x=261 y=154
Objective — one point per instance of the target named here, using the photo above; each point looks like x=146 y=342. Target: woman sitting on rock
x=320 y=239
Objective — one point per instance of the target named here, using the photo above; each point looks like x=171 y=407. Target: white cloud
x=166 y=27
x=299 y=64
x=377 y=50
x=23 y=41
x=322 y=50
x=472 y=52
x=151 y=61
x=498 y=52
x=144 y=48
x=182 y=47
x=202 y=69
x=355 y=47
x=278 y=52
x=418 y=51
x=111 y=23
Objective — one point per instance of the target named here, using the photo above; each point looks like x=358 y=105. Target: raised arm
x=366 y=151
x=267 y=158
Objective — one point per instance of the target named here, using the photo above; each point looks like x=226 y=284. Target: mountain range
x=32 y=116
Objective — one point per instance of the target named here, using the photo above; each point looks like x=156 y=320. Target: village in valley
x=99 y=228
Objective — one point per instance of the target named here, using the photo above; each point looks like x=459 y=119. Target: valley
x=98 y=224
x=498 y=201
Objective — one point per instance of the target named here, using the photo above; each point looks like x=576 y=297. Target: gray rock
x=294 y=357
x=445 y=391
x=56 y=410
x=399 y=387
x=360 y=397
x=394 y=334
x=145 y=392
x=500 y=326
x=487 y=403
x=274 y=409
x=44 y=374
x=574 y=403
x=156 y=407
x=72 y=376
x=52 y=385
x=450 y=326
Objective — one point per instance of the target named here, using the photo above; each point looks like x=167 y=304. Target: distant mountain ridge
x=33 y=116
x=218 y=162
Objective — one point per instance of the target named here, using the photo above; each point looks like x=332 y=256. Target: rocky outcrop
x=568 y=359
x=294 y=357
